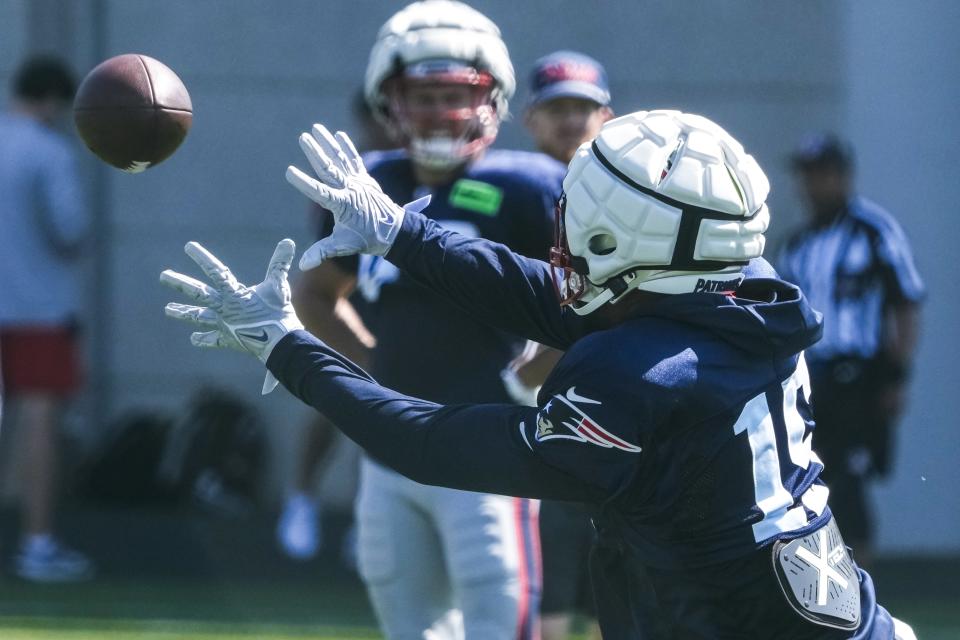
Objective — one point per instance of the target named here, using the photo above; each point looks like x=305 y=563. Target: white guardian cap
x=661 y=201
x=440 y=42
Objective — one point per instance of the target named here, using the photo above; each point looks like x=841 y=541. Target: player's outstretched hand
x=231 y=314
x=365 y=219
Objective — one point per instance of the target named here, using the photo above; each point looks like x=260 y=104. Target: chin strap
x=611 y=292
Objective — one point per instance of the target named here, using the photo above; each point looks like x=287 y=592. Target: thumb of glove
x=342 y=242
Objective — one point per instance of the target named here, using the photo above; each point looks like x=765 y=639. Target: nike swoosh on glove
x=366 y=220
x=235 y=316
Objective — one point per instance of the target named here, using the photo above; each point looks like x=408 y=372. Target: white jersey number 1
x=772 y=498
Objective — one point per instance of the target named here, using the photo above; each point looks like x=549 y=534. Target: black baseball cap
x=822 y=149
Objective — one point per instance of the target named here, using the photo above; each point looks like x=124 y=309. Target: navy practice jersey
x=687 y=426
x=426 y=346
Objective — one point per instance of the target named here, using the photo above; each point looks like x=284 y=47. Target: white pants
x=447 y=564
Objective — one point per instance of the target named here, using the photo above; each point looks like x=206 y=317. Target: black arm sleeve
x=487 y=279
x=471 y=447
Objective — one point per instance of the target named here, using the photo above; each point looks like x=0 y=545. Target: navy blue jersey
x=687 y=427
x=425 y=345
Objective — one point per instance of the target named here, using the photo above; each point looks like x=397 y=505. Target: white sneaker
x=298 y=531
x=47 y=560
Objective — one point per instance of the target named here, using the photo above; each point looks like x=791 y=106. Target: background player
x=680 y=405
x=854 y=262
x=299 y=530
x=439 y=76
x=44 y=227
x=569 y=102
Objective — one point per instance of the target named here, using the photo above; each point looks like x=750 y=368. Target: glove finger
x=320 y=160
x=330 y=247
x=328 y=198
x=331 y=146
x=207 y=339
x=219 y=273
x=280 y=262
x=353 y=157
x=190 y=287
x=198 y=315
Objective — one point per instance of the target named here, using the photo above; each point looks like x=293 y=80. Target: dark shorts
x=852 y=437
x=566 y=535
x=39 y=359
x=851 y=507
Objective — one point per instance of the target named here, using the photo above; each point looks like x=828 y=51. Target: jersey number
x=761 y=425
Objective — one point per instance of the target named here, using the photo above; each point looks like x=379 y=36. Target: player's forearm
x=65 y=226
x=902 y=331
x=485 y=278
x=476 y=448
x=64 y=215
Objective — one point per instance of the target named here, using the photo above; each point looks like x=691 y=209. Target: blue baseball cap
x=568 y=74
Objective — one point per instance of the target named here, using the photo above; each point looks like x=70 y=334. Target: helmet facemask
x=569 y=279
x=570 y=272
x=444 y=111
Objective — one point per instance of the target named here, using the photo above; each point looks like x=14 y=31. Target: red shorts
x=39 y=359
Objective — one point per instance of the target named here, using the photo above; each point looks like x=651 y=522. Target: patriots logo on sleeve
x=563 y=419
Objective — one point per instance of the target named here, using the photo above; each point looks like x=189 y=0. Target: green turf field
x=174 y=610
x=171 y=610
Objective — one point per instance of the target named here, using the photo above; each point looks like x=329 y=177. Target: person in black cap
x=854 y=262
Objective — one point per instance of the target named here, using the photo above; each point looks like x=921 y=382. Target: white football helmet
x=662 y=201
x=440 y=42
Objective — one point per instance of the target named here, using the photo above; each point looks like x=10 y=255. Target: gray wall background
x=883 y=72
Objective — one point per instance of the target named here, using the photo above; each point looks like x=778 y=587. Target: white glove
x=235 y=316
x=365 y=219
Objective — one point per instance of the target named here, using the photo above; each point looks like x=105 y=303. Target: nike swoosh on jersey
x=572 y=396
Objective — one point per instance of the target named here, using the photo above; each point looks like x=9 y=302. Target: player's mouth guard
x=819 y=578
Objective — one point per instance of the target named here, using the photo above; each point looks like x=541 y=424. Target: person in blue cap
x=569 y=103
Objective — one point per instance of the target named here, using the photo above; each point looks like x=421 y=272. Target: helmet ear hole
x=602 y=244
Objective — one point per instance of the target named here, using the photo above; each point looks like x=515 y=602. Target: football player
x=680 y=408
x=433 y=559
x=299 y=531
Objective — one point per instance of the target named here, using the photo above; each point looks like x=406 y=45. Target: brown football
x=132 y=111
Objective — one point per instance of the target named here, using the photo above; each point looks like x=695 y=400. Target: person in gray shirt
x=44 y=223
